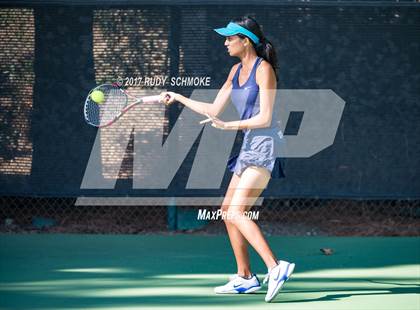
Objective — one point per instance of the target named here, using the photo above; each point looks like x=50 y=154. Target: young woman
x=256 y=163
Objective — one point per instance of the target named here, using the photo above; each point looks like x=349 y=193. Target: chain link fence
x=300 y=217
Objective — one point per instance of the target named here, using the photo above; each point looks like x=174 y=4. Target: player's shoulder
x=264 y=70
x=264 y=66
x=265 y=74
x=234 y=67
x=233 y=70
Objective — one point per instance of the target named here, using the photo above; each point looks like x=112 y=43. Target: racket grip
x=150 y=99
x=205 y=121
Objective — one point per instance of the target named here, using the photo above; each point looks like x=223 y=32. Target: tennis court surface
x=107 y=219
x=65 y=271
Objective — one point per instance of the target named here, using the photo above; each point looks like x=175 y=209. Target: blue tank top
x=245 y=99
x=256 y=141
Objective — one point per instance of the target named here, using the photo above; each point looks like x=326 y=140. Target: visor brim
x=225 y=32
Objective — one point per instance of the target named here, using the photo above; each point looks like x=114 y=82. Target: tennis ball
x=97 y=96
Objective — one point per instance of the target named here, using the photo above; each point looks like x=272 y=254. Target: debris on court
x=327 y=251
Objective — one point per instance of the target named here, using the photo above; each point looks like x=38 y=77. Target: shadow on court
x=157 y=271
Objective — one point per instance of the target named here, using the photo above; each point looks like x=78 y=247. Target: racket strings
x=115 y=100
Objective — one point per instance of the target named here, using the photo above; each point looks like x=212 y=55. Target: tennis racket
x=106 y=103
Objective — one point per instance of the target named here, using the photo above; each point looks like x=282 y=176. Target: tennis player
x=259 y=157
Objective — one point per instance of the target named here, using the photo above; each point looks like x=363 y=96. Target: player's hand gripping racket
x=106 y=103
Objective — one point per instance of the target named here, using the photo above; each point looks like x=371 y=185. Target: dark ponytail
x=264 y=48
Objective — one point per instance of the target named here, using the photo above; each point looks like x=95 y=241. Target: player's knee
x=223 y=211
x=224 y=207
x=234 y=215
x=225 y=204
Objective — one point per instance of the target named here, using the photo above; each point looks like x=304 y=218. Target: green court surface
x=63 y=271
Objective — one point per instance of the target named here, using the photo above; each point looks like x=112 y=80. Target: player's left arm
x=266 y=79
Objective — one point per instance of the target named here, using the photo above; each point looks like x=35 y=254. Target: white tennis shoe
x=239 y=285
x=276 y=277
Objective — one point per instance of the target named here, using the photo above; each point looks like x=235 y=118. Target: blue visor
x=232 y=29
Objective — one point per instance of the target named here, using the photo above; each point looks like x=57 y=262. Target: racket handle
x=205 y=121
x=150 y=99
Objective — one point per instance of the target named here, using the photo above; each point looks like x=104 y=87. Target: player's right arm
x=213 y=109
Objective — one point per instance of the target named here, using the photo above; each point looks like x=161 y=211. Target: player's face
x=234 y=45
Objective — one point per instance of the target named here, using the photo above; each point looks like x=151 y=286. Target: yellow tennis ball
x=97 y=96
